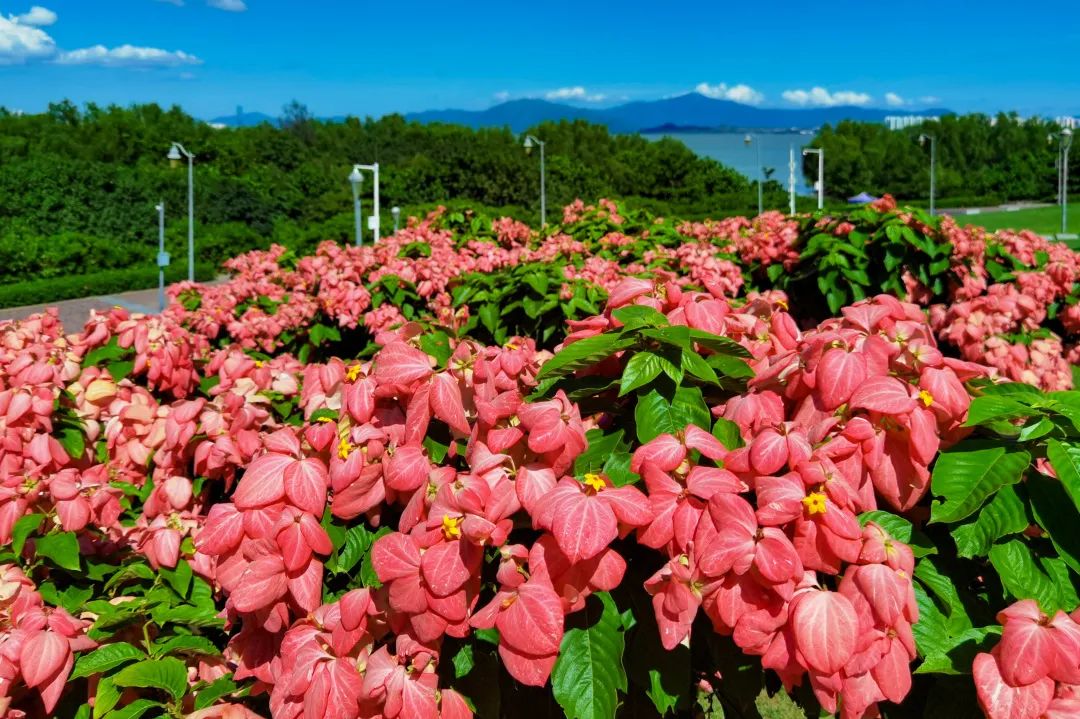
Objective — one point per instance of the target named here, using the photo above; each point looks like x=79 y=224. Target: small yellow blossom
x=451 y=526
x=814 y=503
x=594 y=481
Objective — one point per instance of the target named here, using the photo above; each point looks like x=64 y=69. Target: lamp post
x=162 y=257
x=175 y=152
x=932 y=139
x=530 y=141
x=791 y=177
x=820 y=152
x=356 y=179
x=396 y=212
x=756 y=141
x=1066 y=137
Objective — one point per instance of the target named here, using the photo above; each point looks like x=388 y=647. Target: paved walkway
x=74 y=313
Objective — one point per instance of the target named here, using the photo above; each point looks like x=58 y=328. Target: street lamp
x=162 y=257
x=923 y=139
x=175 y=152
x=756 y=141
x=356 y=179
x=820 y=152
x=1065 y=141
x=791 y=177
x=530 y=141
x=396 y=212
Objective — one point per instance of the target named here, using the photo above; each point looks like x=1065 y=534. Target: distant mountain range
x=691 y=111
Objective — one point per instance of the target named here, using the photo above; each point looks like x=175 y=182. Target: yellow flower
x=451 y=526
x=814 y=503
x=926 y=397
x=353 y=373
x=594 y=482
x=344 y=448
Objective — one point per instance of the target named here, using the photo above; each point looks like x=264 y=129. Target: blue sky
x=367 y=58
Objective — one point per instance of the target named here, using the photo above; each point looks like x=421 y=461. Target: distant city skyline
x=362 y=58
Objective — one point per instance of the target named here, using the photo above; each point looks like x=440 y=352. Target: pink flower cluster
x=855 y=409
x=770 y=238
x=37 y=645
x=1000 y=324
x=1034 y=671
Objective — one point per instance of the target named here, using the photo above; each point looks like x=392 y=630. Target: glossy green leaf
x=966 y=475
x=589 y=674
x=104 y=658
x=168 y=674
x=62 y=548
x=1005 y=514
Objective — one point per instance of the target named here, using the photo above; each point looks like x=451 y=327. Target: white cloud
x=929 y=99
x=577 y=93
x=228 y=5
x=502 y=96
x=736 y=93
x=20 y=42
x=823 y=98
x=126 y=56
x=894 y=100
x=38 y=17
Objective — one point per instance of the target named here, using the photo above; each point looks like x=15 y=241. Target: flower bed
x=629 y=463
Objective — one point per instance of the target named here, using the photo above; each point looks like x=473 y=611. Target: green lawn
x=1044 y=220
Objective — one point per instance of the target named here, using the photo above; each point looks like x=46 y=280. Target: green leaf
x=62 y=548
x=1004 y=514
x=640 y=316
x=589 y=674
x=104 y=658
x=437 y=344
x=110 y=351
x=958 y=652
x=642 y=369
x=722 y=345
x=1054 y=512
x=463 y=661
x=728 y=433
x=178 y=578
x=994 y=407
x=368 y=577
x=969 y=473
x=1022 y=577
x=600 y=447
x=106 y=698
x=72 y=438
x=24 y=527
x=655 y=416
x=186 y=644
x=897 y=527
x=218 y=688
x=357 y=542
x=135 y=709
x=168 y=674
x=583 y=353
x=927 y=572
x=1065 y=459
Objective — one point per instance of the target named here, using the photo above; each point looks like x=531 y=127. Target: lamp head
x=528 y=144
x=355 y=177
x=158 y=207
x=1066 y=132
x=747 y=140
x=174 y=155
x=395 y=211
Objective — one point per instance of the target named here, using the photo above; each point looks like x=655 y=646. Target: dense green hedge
x=981 y=160
x=34 y=292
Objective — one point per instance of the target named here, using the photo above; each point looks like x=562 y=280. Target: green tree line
x=980 y=160
x=78 y=185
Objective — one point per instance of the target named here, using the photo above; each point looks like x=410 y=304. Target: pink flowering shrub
x=456 y=472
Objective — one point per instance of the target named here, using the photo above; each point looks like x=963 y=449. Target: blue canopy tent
x=861 y=199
